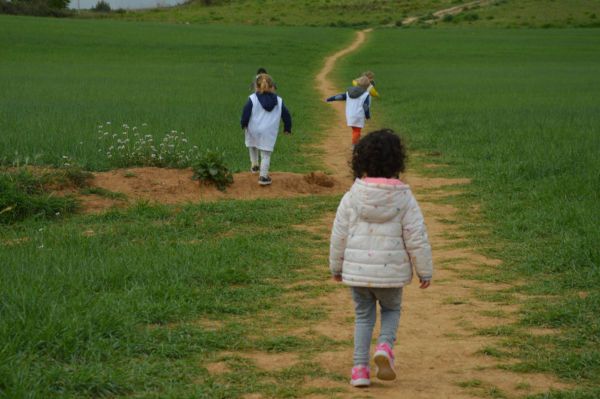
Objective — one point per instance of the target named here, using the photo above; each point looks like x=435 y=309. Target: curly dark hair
x=379 y=154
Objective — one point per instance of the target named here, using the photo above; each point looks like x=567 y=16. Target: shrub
x=210 y=168
x=471 y=16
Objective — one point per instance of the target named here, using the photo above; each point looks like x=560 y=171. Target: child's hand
x=424 y=283
x=337 y=277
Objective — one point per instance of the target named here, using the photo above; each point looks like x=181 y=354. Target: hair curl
x=379 y=154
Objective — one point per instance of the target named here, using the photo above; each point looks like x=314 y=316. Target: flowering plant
x=134 y=147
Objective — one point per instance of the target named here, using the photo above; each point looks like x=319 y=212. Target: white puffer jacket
x=378 y=236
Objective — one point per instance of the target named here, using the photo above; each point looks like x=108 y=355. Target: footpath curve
x=439 y=352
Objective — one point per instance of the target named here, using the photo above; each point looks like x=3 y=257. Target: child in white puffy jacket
x=378 y=238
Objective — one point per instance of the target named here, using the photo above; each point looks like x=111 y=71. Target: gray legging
x=365 y=306
x=265 y=160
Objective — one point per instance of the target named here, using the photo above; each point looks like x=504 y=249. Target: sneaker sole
x=360 y=383
x=264 y=183
x=385 y=371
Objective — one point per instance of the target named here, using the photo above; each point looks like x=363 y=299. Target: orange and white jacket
x=379 y=236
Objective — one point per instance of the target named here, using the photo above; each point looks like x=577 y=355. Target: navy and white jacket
x=268 y=101
x=354 y=92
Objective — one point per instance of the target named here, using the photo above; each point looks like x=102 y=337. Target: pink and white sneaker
x=361 y=376
x=384 y=359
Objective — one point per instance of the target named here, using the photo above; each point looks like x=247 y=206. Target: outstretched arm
x=337 y=97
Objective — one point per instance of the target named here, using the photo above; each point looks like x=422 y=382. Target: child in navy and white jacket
x=378 y=237
x=358 y=105
x=261 y=117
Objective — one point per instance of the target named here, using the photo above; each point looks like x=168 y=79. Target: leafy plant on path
x=210 y=168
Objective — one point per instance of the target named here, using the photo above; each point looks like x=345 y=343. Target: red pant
x=355 y=134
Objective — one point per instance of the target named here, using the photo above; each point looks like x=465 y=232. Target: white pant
x=265 y=160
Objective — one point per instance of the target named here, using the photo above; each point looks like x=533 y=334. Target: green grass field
x=530 y=14
x=518 y=112
x=60 y=79
x=308 y=12
x=362 y=13
x=114 y=305
x=136 y=303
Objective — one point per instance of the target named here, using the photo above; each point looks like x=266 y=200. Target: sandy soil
x=175 y=186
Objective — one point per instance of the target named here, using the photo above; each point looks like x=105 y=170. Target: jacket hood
x=378 y=203
x=356 y=91
x=267 y=100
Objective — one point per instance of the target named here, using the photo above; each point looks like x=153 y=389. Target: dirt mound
x=175 y=186
x=320 y=179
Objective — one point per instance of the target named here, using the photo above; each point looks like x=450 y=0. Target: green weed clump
x=210 y=168
x=26 y=193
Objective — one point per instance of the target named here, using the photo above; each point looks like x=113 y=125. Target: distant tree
x=102 y=6
x=56 y=8
x=61 y=4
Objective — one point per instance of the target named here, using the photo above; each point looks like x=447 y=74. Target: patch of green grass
x=530 y=14
x=500 y=331
x=482 y=388
x=102 y=192
x=26 y=192
x=584 y=393
x=494 y=352
x=61 y=79
x=346 y=13
x=518 y=112
x=243 y=377
x=113 y=313
x=455 y=301
x=495 y=296
x=494 y=313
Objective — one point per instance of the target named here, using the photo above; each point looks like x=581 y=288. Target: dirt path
x=449 y=11
x=439 y=353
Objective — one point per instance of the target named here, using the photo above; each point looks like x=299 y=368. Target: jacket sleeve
x=287 y=118
x=339 y=237
x=373 y=91
x=416 y=241
x=367 y=107
x=337 y=97
x=246 y=113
